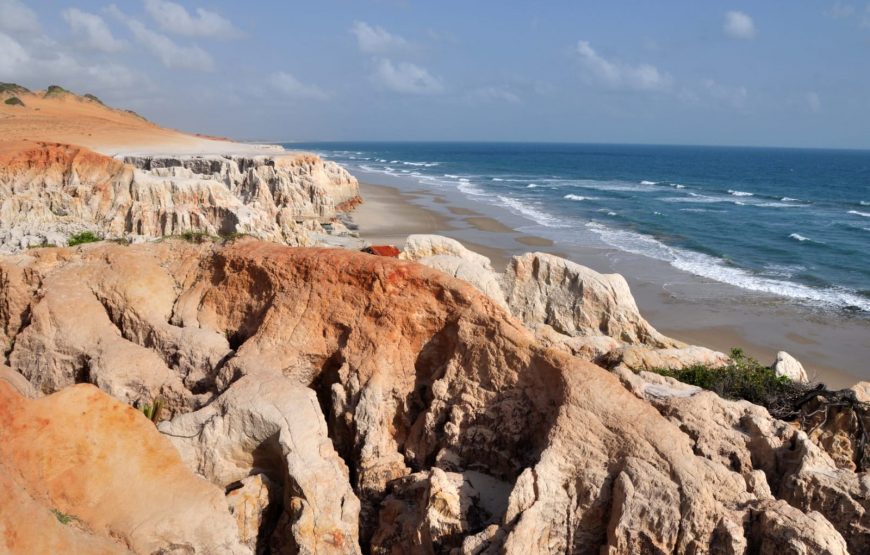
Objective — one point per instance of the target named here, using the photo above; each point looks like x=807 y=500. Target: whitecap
x=740 y=193
x=497 y=179
x=574 y=197
x=720 y=270
x=451 y=176
x=864 y=203
x=531 y=185
x=788 y=199
x=857 y=213
x=463 y=180
x=645 y=182
x=611 y=213
x=531 y=212
x=678 y=186
x=799 y=237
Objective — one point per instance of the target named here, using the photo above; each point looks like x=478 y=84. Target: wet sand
x=683 y=306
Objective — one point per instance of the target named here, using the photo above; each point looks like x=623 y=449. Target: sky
x=767 y=73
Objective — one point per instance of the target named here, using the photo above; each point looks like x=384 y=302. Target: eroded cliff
x=50 y=192
x=349 y=403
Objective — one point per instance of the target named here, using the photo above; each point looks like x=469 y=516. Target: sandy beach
x=832 y=349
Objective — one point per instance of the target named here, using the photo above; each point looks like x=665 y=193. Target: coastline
x=831 y=349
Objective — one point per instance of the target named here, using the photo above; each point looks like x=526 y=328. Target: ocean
x=793 y=223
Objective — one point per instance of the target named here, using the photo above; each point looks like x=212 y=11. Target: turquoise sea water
x=789 y=222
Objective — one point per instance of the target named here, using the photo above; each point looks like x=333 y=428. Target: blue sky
x=791 y=73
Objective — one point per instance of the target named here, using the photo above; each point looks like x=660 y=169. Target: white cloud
x=738 y=25
x=289 y=85
x=14 y=57
x=374 y=40
x=494 y=94
x=46 y=62
x=174 y=18
x=170 y=54
x=642 y=77
x=15 y=17
x=405 y=77
x=92 y=31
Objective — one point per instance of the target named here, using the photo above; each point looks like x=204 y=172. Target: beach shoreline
x=831 y=349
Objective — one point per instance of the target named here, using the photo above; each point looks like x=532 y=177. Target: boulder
x=789 y=367
x=635 y=357
x=576 y=301
x=108 y=479
x=470 y=270
x=424 y=246
x=267 y=424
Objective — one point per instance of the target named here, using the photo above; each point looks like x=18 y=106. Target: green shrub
x=744 y=378
x=93 y=98
x=230 y=237
x=55 y=90
x=82 y=238
x=13 y=101
x=13 y=88
x=63 y=518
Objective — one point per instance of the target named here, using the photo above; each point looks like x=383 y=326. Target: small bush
x=82 y=238
x=63 y=518
x=55 y=90
x=745 y=378
x=93 y=98
x=13 y=88
x=13 y=101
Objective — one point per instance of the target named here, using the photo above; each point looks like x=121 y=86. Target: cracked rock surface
x=338 y=402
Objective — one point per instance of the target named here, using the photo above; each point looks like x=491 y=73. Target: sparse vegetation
x=152 y=410
x=230 y=237
x=197 y=237
x=13 y=101
x=43 y=245
x=815 y=408
x=93 y=98
x=121 y=241
x=12 y=88
x=745 y=378
x=82 y=238
x=55 y=90
x=61 y=517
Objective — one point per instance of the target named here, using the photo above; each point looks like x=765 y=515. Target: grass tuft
x=13 y=101
x=61 y=517
x=82 y=238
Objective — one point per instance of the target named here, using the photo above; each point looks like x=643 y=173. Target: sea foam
x=719 y=270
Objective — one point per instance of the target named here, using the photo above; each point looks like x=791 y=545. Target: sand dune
x=60 y=116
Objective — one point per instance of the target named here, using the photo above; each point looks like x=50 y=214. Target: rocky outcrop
x=789 y=367
x=577 y=301
x=394 y=408
x=50 y=192
x=83 y=473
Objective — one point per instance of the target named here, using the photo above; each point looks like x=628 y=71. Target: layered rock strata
x=347 y=402
x=49 y=192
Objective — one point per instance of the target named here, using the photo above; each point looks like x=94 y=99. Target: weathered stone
x=424 y=246
x=788 y=366
x=50 y=192
x=104 y=470
x=576 y=301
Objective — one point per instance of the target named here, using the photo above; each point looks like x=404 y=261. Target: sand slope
x=63 y=117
